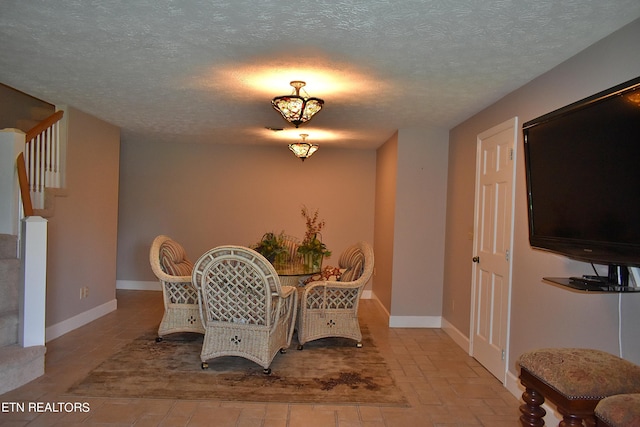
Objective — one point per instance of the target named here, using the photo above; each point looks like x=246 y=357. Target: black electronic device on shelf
x=583 y=182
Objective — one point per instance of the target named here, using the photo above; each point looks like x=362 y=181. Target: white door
x=493 y=238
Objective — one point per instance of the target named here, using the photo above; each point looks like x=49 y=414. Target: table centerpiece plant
x=271 y=246
x=312 y=249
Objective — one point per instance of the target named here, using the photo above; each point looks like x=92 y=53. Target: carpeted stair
x=9 y=279
x=18 y=365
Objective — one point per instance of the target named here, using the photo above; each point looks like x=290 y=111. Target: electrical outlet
x=84 y=292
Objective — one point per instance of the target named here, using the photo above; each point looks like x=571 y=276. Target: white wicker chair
x=170 y=265
x=245 y=310
x=330 y=308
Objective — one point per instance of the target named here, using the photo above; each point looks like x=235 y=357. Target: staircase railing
x=23 y=181
x=43 y=157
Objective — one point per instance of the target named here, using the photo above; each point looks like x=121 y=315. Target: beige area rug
x=327 y=371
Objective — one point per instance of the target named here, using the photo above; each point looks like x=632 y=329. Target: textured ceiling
x=205 y=70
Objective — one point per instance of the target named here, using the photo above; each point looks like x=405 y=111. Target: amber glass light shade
x=303 y=149
x=297 y=109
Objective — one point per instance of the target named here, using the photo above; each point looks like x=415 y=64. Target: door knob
x=475 y=259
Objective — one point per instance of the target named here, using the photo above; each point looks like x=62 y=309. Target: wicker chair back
x=236 y=285
x=244 y=309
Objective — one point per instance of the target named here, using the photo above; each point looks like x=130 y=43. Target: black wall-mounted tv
x=583 y=178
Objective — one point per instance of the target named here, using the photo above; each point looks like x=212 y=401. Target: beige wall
x=456 y=305
x=419 y=227
x=411 y=181
x=541 y=314
x=208 y=195
x=82 y=233
x=386 y=175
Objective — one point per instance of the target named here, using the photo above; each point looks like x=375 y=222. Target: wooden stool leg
x=532 y=411
x=574 y=420
x=569 y=420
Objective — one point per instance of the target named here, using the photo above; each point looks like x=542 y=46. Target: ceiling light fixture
x=634 y=97
x=303 y=149
x=297 y=109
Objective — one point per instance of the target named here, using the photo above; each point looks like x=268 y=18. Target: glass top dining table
x=293 y=274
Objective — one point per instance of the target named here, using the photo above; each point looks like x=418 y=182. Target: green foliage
x=271 y=245
x=314 y=246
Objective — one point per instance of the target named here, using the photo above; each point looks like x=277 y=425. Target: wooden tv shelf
x=602 y=287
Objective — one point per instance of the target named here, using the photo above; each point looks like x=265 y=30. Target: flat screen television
x=582 y=166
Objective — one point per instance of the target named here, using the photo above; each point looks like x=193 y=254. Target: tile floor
x=444 y=385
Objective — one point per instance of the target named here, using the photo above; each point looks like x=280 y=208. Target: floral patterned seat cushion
x=582 y=373
x=328 y=273
x=173 y=259
x=622 y=410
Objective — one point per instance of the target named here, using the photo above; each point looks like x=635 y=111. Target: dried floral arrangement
x=312 y=243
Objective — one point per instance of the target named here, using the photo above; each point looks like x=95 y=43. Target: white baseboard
x=513 y=385
x=59 y=329
x=408 y=321
x=415 y=321
x=457 y=336
x=138 y=285
x=375 y=297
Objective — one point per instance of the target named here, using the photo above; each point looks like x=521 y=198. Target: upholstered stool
x=575 y=380
x=622 y=410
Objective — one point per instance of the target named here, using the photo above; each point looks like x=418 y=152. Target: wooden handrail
x=44 y=125
x=24 y=186
x=43 y=152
